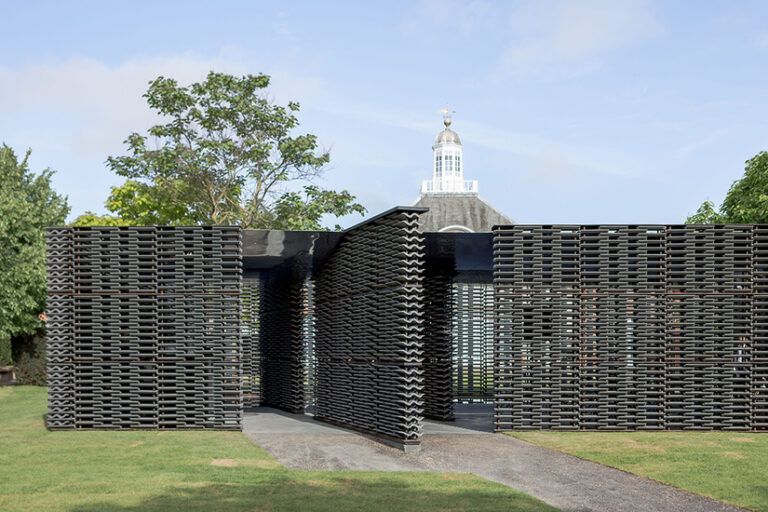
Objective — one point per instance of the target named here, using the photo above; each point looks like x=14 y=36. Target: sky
x=569 y=111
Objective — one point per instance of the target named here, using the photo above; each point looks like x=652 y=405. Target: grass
x=89 y=471
x=728 y=466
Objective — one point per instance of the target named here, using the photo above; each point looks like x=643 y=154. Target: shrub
x=29 y=358
x=5 y=352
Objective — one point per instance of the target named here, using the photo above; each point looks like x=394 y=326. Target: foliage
x=296 y=211
x=29 y=358
x=153 y=205
x=202 y=471
x=224 y=156
x=28 y=205
x=92 y=219
x=706 y=214
x=728 y=466
x=746 y=201
x=136 y=203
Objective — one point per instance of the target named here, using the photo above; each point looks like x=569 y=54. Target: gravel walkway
x=568 y=483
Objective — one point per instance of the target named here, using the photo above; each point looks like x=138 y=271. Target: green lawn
x=195 y=471
x=727 y=466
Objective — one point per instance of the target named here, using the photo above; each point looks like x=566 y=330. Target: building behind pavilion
x=453 y=202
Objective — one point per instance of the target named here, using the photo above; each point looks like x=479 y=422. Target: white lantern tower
x=448 y=164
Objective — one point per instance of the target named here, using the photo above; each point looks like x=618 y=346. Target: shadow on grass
x=336 y=494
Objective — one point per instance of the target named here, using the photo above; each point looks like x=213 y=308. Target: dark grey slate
x=467 y=210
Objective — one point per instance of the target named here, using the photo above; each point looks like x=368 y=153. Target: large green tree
x=28 y=204
x=225 y=154
x=746 y=201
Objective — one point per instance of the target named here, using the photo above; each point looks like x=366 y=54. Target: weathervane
x=447 y=115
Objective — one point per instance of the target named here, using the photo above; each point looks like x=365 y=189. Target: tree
x=28 y=205
x=746 y=201
x=706 y=214
x=224 y=156
x=304 y=211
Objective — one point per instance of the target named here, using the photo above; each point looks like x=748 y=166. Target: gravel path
x=568 y=483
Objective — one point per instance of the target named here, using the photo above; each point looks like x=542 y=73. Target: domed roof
x=448 y=136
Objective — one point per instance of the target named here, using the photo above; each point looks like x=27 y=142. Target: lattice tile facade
x=437 y=285
x=281 y=339
x=631 y=327
x=144 y=327
x=472 y=334
x=250 y=330
x=368 y=329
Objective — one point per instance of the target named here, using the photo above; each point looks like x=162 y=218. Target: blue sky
x=572 y=112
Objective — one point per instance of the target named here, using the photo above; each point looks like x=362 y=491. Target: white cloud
x=450 y=15
x=76 y=112
x=567 y=37
x=86 y=108
x=762 y=41
x=537 y=38
x=96 y=105
x=687 y=150
x=558 y=156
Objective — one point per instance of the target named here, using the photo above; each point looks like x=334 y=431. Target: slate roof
x=467 y=210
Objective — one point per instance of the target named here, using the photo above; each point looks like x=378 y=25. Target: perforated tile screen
x=368 y=329
x=144 y=328
x=631 y=327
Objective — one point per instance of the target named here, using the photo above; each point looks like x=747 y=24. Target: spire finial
x=447 y=115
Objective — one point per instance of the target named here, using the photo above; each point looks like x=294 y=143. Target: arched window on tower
x=449 y=163
x=439 y=164
x=458 y=165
